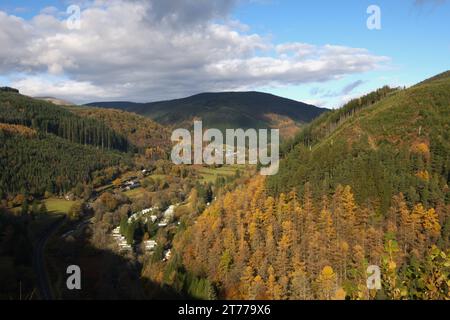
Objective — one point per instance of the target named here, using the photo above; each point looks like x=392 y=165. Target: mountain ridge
x=222 y=110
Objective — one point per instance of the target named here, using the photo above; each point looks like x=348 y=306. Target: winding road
x=43 y=283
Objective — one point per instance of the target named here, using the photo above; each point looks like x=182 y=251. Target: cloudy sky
x=319 y=51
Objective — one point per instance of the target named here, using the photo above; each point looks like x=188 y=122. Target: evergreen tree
x=43 y=208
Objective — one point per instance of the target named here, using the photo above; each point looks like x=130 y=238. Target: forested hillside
x=44 y=162
x=326 y=123
x=145 y=134
x=364 y=185
x=225 y=110
x=388 y=142
x=49 y=118
x=46 y=148
x=53 y=148
x=252 y=246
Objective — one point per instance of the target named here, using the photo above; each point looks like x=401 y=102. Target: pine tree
x=258 y=289
x=25 y=208
x=284 y=250
x=418 y=216
x=299 y=281
x=326 y=284
x=246 y=282
x=404 y=224
x=272 y=289
x=431 y=224
x=43 y=209
x=327 y=233
x=270 y=246
x=34 y=209
x=348 y=213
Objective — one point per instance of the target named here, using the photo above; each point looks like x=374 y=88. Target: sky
x=320 y=52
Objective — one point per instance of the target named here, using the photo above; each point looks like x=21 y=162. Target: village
x=148 y=215
x=146 y=231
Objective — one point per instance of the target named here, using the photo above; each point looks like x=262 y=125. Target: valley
x=224 y=158
x=363 y=185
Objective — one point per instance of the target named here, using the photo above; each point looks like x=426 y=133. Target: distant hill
x=384 y=143
x=225 y=110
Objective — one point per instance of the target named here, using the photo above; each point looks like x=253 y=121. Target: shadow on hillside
x=17 y=280
x=105 y=275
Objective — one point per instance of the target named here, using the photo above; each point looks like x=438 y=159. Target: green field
x=157 y=176
x=134 y=193
x=211 y=174
x=56 y=205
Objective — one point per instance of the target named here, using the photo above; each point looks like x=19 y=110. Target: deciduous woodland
x=254 y=246
x=365 y=185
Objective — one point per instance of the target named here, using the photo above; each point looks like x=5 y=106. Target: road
x=43 y=282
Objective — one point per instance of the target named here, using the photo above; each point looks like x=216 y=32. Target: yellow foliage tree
x=326 y=284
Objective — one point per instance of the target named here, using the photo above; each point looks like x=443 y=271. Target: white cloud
x=296 y=49
x=345 y=91
x=43 y=87
x=149 y=50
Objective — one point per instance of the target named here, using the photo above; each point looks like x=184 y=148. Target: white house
x=121 y=241
x=167 y=216
x=167 y=254
x=139 y=214
x=150 y=245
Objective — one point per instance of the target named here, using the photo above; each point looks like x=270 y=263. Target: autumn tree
x=326 y=284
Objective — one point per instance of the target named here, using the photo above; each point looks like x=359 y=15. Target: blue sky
x=414 y=36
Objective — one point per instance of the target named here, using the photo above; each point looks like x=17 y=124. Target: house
x=140 y=214
x=167 y=216
x=145 y=211
x=153 y=218
x=121 y=241
x=130 y=185
x=150 y=245
x=167 y=254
